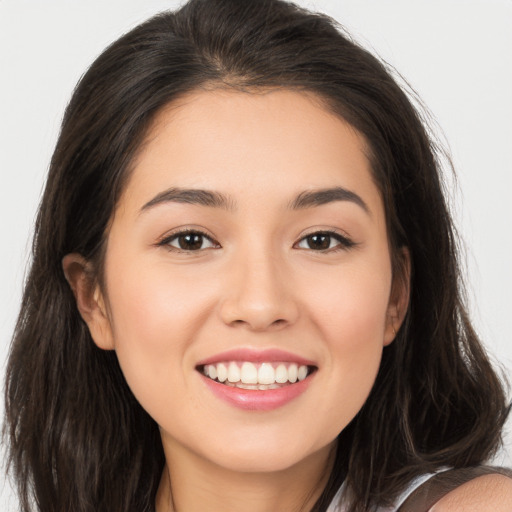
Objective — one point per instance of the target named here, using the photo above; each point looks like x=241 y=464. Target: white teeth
x=281 y=374
x=222 y=372
x=292 y=373
x=266 y=374
x=249 y=375
x=212 y=371
x=244 y=386
x=262 y=387
x=233 y=372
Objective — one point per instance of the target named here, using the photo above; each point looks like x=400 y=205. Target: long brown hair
x=78 y=439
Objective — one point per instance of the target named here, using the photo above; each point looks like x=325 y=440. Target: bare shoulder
x=488 y=493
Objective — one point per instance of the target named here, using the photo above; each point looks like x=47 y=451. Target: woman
x=244 y=291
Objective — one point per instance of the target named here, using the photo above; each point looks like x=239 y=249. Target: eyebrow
x=191 y=196
x=310 y=199
x=213 y=199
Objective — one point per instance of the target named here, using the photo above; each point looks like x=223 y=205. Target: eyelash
x=166 y=242
x=345 y=243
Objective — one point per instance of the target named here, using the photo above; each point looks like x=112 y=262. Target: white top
x=335 y=506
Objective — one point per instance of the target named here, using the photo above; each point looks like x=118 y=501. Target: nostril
x=260 y=324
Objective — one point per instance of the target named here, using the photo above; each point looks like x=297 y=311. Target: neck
x=191 y=483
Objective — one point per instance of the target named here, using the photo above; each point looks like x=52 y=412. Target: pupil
x=319 y=242
x=191 y=241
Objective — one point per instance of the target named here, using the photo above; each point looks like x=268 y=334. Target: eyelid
x=345 y=241
x=164 y=240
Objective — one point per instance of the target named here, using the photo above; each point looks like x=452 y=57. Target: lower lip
x=255 y=399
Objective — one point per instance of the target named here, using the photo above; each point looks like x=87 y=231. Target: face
x=249 y=245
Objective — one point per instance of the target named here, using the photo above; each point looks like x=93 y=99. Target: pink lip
x=257 y=400
x=256 y=356
x=253 y=399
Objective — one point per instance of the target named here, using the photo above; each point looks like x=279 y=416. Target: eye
x=189 y=241
x=325 y=241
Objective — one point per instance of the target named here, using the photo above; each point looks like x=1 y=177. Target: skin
x=258 y=286
x=489 y=493
x=254 y=282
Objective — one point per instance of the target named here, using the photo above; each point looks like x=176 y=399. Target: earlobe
x=89 y=299
x=399 y=297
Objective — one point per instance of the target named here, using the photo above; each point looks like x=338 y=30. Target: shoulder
x=487 y=493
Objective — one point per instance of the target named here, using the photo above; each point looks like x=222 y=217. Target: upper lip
x=256 y=356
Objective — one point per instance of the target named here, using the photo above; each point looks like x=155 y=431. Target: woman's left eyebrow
x=312 y=198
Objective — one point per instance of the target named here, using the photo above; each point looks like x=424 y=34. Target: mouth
x=257 y=380
x=257 y=376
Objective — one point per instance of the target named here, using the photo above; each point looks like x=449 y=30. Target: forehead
x=238 y=141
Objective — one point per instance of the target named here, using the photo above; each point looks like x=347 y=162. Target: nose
x=258 y=294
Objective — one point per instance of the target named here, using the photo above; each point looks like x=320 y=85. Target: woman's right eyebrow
x=196 y=196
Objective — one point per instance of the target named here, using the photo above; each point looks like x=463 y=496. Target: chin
x=266 y=457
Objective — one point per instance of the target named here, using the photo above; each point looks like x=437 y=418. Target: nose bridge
x=258 y=295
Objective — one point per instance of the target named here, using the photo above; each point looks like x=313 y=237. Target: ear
x=89 y=299
x=399 y=296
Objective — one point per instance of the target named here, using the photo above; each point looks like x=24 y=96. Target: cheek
x=154 y=320
x=152 y=305
x=351 y=307
x=351 y=319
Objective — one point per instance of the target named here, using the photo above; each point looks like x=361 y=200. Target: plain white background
x=454 y=53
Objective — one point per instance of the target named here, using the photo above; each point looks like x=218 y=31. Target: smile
x=257 y=380
x=256 y=376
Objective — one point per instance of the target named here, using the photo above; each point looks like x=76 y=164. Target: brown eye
x=325 y=241
x=318 y=241
x=189 y=241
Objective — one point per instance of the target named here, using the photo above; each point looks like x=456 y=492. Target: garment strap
x=430 y=492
